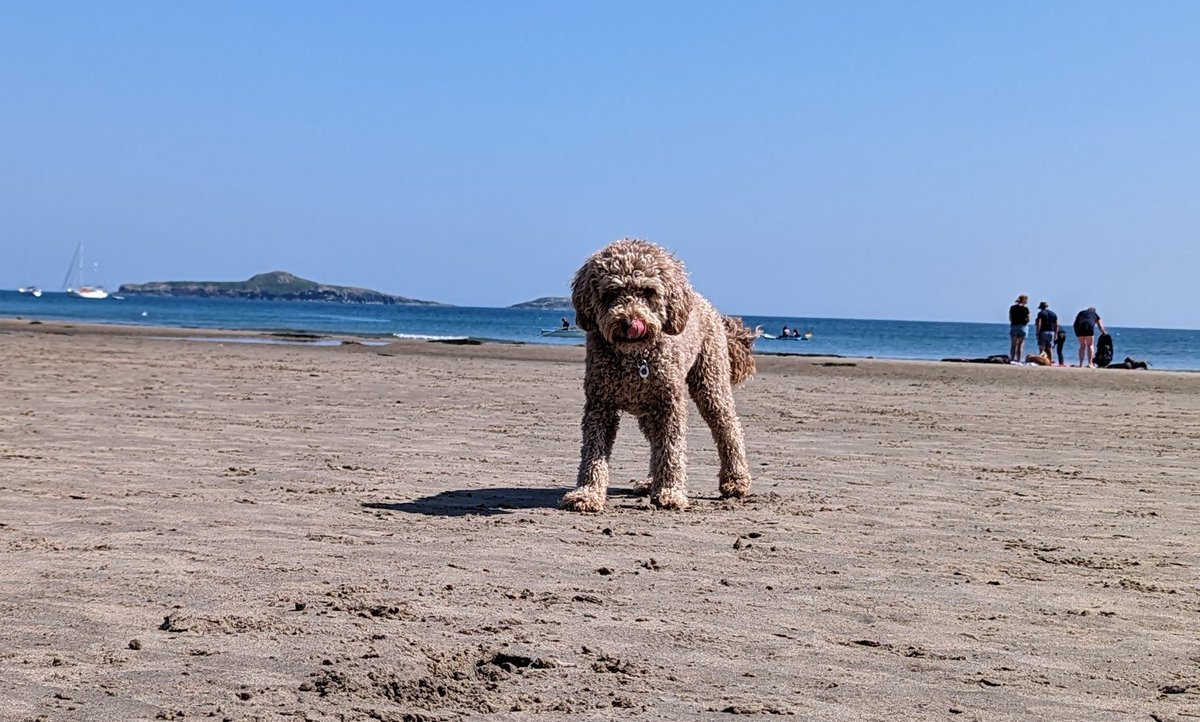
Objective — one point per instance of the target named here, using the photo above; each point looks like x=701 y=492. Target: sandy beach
x=195 y=530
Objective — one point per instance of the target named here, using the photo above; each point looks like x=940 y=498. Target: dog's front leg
x=666 y=429
x=599 y=425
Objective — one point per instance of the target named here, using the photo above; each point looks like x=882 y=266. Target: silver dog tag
x=643 y=369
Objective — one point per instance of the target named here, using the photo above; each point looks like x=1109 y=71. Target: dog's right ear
x=584 y=321
x=580 y=298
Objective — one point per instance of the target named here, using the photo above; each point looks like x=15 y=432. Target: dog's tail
x=741 y=342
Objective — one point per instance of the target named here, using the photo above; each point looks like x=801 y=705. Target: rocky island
x=546 y=303
x=278 y=285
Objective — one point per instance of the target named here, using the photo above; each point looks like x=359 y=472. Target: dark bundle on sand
x=1129 y=363
x=999 y=358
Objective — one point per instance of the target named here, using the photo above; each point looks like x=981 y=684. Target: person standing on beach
x=1018 y=328
x=1060 y=338
x=1047 y=329
x=1086 y=323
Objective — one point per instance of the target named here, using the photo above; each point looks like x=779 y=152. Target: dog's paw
x=735 y=488
x=585 y=500
x=670 y=499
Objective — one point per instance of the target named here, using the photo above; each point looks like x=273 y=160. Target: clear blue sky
x=910 y=160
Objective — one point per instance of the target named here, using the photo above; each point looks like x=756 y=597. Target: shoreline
x=312 y=339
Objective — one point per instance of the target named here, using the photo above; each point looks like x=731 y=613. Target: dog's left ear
x=678 y=301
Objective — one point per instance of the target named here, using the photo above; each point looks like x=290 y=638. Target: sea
x=1166 y=349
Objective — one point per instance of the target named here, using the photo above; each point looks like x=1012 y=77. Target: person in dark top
x=1018 y=322
x=1086 y=323
x=565 y=323
x=1060 y=337
x=1047 y=328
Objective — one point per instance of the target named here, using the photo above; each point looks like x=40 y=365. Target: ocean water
x=1167 y=349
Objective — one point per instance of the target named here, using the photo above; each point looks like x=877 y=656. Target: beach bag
x=1104 y=350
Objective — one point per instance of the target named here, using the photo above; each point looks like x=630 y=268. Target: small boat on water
x=73 y=283
x=806 y=336
x=88 y=292
x=31 y=290
x=563 y=332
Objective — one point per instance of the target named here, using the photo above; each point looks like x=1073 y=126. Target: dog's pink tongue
x=637 y=328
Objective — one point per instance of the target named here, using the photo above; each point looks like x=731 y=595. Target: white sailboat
x=73 y=283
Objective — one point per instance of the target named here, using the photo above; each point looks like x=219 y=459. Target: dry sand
x=249 y=532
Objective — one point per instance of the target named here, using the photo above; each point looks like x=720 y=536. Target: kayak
x=572 y=332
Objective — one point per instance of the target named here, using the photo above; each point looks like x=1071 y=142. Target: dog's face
x=632 y=292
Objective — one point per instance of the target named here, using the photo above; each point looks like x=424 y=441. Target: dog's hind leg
x=599 y=426
x=642 y=487
x=667 y=432
x=712 y=391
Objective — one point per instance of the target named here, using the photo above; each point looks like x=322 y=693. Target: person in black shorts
x=1047 y=328
x=1018 y=328
x=1086 y=323
x=1060 y=338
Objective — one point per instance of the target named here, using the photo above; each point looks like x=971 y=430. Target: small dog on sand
x=651 y=342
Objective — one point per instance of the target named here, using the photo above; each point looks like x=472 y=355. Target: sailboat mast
x=76 y=261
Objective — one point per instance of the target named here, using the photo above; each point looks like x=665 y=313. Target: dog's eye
x=608 y=297
x=647 y=292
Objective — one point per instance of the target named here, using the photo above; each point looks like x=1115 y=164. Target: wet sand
x=276 y=532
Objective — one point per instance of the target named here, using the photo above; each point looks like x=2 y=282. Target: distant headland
x=276 y=285
x=546 y=302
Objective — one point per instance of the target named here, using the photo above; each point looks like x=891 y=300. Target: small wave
x=254 y=340
x=429 y=337
x=353 y=319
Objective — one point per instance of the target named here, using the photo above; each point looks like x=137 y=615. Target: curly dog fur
x=651 y=342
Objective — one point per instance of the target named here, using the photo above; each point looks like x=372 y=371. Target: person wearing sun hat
x=1047 y=328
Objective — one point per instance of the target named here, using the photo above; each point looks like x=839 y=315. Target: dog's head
x=632 y=292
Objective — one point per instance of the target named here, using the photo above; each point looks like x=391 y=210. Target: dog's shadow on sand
x=481 y=502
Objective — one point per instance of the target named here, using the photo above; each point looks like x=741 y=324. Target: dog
x=653 y=341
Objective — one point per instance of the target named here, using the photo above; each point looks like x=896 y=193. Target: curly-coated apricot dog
x=651 y=342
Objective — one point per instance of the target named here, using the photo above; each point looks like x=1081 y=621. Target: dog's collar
x=643 y=366
x=640 y=360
